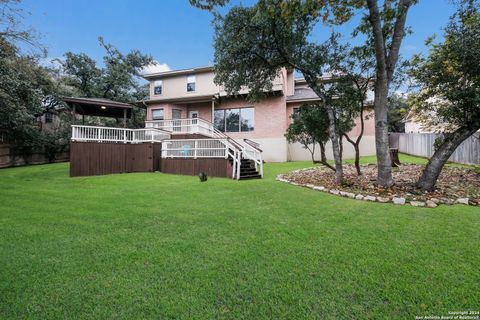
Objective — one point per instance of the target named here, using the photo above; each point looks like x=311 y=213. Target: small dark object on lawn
x=203 y=176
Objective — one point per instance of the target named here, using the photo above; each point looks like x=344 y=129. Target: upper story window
x=235 y=120
x=48 y=117
x=157 y=114
x=191 y=82
x=157 y=87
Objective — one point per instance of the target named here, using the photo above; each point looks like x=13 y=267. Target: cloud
x=53 y=63
x=156 y=67
x=410 y=47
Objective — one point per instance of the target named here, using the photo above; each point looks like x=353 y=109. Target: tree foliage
x=24 y=85
x=309 y=126
x=449 y=80
x=117 y=80
x=398 y=108
x=253 y=45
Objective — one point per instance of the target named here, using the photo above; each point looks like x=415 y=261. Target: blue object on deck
x=185 y=150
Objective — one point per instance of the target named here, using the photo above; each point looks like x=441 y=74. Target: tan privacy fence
x=422 y=144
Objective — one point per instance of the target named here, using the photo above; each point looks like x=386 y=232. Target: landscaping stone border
x=431 y=203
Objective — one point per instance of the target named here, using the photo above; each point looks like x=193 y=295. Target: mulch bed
x=455 y=185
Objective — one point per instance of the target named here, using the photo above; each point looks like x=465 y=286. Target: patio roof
x=99 y=107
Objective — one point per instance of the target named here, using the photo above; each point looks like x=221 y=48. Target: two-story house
x=191 y=93
x=193 y=126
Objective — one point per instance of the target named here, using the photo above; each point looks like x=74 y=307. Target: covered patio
x=99 y=107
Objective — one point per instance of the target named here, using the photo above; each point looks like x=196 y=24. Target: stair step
x=250 y=176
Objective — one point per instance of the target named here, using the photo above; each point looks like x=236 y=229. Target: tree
x=310 y=126
x=11 y=28
x=355 y=79
x=24 y=84
x=449 y=80
x=117 y=81
x=256 y=41
x=387 y=29
x=254 y=45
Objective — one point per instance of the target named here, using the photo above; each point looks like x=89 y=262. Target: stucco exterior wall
x=176 y=86
x=296 y=152
x=369 y=121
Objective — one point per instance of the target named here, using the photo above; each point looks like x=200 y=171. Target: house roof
x=303 y=94
x=177 y=72
x=99 y=107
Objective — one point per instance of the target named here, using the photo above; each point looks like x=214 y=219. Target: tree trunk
x=323 y=157
x=440 y=157
x=384 y=163
x=386 y=61
x=312 y=152
x=356 y=146
x=335 y=145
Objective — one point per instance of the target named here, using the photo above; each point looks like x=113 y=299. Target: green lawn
x=151 y=245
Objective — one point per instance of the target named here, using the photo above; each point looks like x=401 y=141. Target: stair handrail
x=253 y=144
x=254 y=153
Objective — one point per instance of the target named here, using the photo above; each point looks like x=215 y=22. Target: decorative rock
x=417 y=203
x=397 y=200
x=320 y=188
x=343 y=193
x=351 y=195
x=359 y=197
x=383 y=200
x=370 y=198
x=335 y=192
x=311 y=186
x=437 y=201
x=431 y=204
x=462 y=201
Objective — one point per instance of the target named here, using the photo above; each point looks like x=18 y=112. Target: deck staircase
x=248 y=170
x=246 y=159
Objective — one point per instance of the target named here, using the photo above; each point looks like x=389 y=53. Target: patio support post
x=74 y=111
x=213 y=109
x=124 y=118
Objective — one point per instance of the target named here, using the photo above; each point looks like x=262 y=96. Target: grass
x=152 y=245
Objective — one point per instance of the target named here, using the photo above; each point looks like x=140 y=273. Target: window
x=191 y=80
x=157 y=114
x=157 y=87
x=235 y=120
x=176 y=114
x=48 y=117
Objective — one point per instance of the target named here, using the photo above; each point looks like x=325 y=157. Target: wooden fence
x=11 y=158
x=422 y=144
x=92 y=158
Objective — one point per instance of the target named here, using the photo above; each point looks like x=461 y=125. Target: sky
x=176 y=34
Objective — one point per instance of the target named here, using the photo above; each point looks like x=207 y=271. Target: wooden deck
x=212 y=167
x=93 y=158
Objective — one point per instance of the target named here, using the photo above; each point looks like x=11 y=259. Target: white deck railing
x=194 y=148
x=204 y=148
x=107 y=134
x=179 y=126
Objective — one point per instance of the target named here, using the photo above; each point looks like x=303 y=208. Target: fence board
x=422 y=144
x=92 y=158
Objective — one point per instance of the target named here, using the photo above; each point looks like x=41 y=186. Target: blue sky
x=171 y=31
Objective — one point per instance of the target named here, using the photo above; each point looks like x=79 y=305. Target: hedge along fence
x=10 y=158
x=422 y=144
